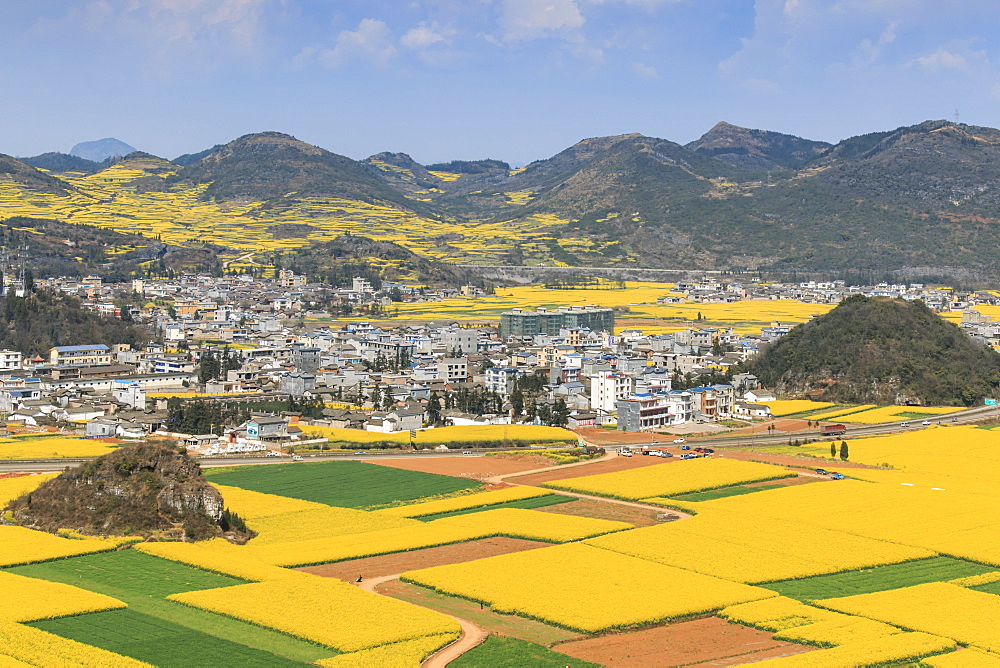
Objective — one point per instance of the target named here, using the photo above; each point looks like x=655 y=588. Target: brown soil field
x=13 y=475
x=400 y=562
x=494 y=622
x=606 y=510
x=605 y=466
x=709 y=641
x=476 y=468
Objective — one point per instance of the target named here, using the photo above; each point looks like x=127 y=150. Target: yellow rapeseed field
x=323 y=610
x=964 y=615
x=53 y=447
x=30 y=599
x=464 y=502
x=25 y=546
x=34 y=647
x=615 y=592
x=678 y=477
x=754 y=550
x=832 y=633
x=12 y=488
x=963 y=659
x=843 y=413
x=220 y=556
x=513 y=522
x=517 y=433
x=252 y=505
x=405 y=654
x=892 y=413
x=900 y=648
x=779 y=613
x=322 y=523
x=789 y=406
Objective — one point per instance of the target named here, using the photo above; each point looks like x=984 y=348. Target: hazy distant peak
x=102 y=149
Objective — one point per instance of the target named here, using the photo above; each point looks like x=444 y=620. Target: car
x=926 y=423
x=822 y=472
x=710 y=451
x=466 y=452
x=837 y=476
x=678 y=440
x=360 y=452
x=685 y=447
x=954 y=419
x=904 y=424
x=296 y=458
x=626 y=453
x=688 y=455
x=273 y=454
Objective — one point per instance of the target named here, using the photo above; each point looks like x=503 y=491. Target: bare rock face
x=154 y=490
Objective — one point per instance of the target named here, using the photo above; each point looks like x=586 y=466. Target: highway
x=743 y=440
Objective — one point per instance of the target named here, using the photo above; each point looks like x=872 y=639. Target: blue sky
x=516 y=80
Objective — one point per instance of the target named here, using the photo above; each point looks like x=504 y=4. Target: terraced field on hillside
x=131 y=200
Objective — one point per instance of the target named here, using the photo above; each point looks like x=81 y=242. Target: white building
x=10 y=359
x=606 y=388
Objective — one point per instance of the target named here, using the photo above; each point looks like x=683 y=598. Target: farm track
x=472 y=635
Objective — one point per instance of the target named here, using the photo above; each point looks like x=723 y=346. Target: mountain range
x=920 y=200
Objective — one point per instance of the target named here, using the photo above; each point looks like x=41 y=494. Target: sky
x=514 y=80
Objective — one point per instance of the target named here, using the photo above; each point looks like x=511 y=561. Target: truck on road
x=834 y=430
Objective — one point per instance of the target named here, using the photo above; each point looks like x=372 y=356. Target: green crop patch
x=879 y=578
x=157 y=641
x=129 y=571
x=143 y=582
x=723 y=492
x=503 y=652
x=534 y=502
x=346 y=484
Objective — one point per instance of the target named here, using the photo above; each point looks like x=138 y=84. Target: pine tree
x=843 y=450
x=833 y=449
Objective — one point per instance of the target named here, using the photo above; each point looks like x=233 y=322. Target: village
x=256 y=340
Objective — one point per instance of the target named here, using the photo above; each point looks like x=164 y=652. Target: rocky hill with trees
x=881 y=351
x=154 y=490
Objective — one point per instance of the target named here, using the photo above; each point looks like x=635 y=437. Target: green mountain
x=269 y=166
x=881 y=351
x=757 y=149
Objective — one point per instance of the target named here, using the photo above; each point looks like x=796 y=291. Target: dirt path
x=471 y=636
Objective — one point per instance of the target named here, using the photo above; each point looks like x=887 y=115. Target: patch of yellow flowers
x=405 y=654
x=513 y=522
x=30 y=599
x=323 y=610
x=944 y=609
x=895 y=649
x=26 y=546
x=616 y=592
x=762 y=549
x=464 y=502
x=672 y=478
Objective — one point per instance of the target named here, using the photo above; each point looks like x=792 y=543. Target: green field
x=534 y=502
x=503 y=652
x=144 y=582
x=723 y=492
x=346 y=484
x=880 y=578
x=158 y=641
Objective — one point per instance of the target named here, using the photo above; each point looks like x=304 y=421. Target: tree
x=517 y=400
x=833 y=449
x=434 y=409
x=843 y=450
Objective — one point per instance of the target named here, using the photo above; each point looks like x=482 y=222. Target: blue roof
x=80 y=349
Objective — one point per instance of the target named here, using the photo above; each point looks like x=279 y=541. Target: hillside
x=757 y=149
x=44 y=319
x=101 y=149
x=147 y=489
x=882 y=351
x=914 y=202
x=267 y=166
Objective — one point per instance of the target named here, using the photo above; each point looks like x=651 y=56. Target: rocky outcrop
x=154 y=490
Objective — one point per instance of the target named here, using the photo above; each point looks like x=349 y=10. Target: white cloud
x=533 y=19
x=427 y=34
x=369 y=42
x=869 y=51
x=942 y=59
x=645 y=71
